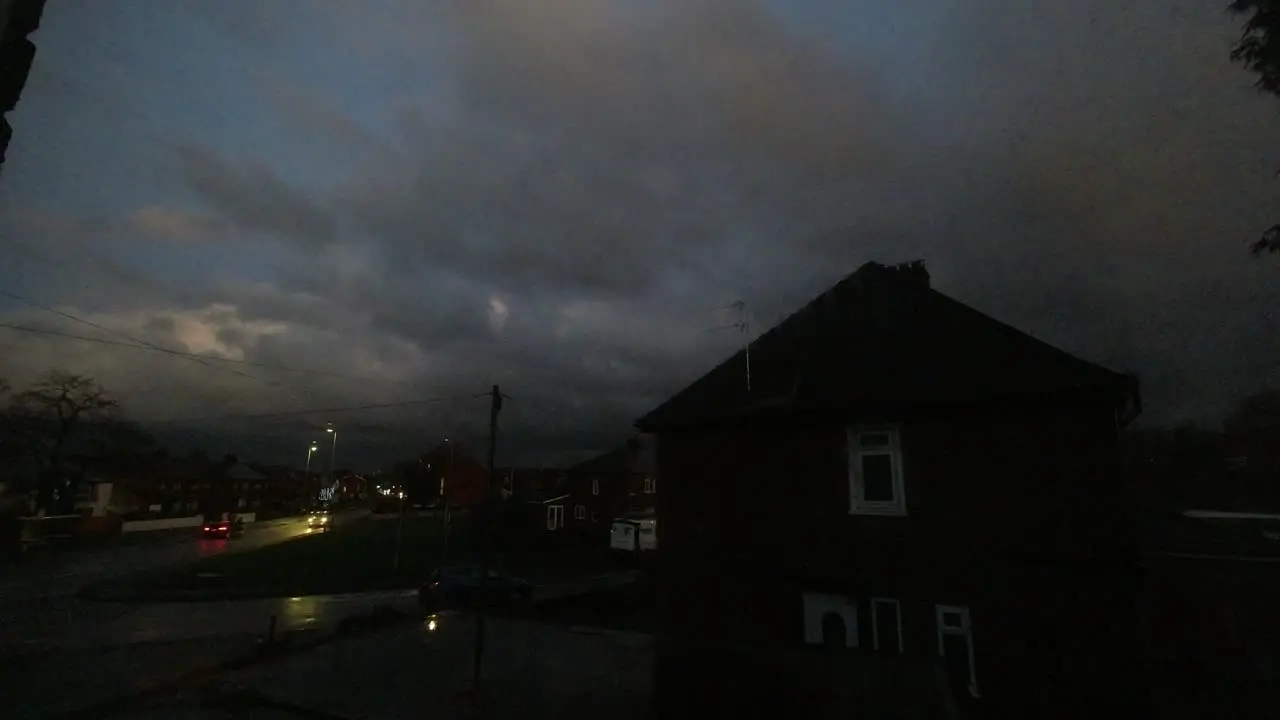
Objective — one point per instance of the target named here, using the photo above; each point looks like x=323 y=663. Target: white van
x=634 y=534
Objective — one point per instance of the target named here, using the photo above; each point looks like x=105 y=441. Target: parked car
x=321 y=519
x=222 y=529
x=461 y=586
x=634 y=535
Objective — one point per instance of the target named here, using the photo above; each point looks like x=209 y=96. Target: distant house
x=614 y=484
x=248 y=486
x=1210 y=594
x=454 y=475
x=287 y=489
x=537 y=501
x=904 y=478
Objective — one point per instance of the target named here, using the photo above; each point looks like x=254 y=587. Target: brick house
x=616 y=483
x=454 y=475
x=536 y=502
x=908 y=480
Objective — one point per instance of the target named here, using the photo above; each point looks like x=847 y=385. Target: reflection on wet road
x=62 y=576
x=72 y=623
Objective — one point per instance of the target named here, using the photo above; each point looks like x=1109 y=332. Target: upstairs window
x=595 y=486
x=650 y=486
x=875 y=472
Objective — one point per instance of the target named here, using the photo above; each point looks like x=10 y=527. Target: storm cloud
x=563 y=196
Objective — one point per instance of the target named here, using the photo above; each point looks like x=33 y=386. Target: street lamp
x=310 y=450
x=333 y=450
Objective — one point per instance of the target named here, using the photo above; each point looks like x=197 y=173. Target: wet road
x=89 y=653
x=39 y=610
x=69 y=623
x=61 y=576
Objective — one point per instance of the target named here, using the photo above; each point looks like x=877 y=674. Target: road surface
x=84 y=653
x=62 y=575
x=69 y=623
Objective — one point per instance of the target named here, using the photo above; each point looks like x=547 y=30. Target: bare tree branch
x=51 y=420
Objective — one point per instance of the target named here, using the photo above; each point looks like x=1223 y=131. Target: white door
x=555 y=517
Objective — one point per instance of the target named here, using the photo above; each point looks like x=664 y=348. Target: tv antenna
x=743 y=326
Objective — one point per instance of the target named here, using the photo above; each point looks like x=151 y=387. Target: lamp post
x=306 y=474
x=444 y=498
x=333 y=449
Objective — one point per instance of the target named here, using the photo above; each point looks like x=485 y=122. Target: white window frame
x=595 y=486
x=855 y=452
x=648 y=486
x=579 y=512
x=965 y=629
x=818 y=605
x=595 y=516
x=875 y=624
x=555 y=517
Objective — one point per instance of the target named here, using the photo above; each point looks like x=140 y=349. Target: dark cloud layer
x=598 y=178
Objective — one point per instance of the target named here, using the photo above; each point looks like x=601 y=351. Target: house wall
x=620 y=493
x=467 y=484
x=1018 y=517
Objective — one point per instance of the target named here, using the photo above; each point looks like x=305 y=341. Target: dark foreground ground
x=577 y=657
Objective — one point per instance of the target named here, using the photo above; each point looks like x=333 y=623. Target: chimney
x=913 y=272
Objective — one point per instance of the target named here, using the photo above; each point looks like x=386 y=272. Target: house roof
x=536 y=484
x=882 y=340
x=459 y=455
x=617 y=460
x=633 y=456
x=240 y=471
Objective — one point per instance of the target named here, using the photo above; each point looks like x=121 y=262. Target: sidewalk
x=58 y=682
x=531 y=670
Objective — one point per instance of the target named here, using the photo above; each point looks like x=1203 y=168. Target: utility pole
x=395 y=561
x=444 y=502
x=495 y=405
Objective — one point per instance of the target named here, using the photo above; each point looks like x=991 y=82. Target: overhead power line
x=126 y=336
x=121 y=343
x=315 y=411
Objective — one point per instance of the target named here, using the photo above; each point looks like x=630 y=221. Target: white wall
x=165 y=524
x=175 y=523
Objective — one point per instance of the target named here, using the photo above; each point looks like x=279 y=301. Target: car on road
x=320 y=519
x=222 y=529
x=462 y=586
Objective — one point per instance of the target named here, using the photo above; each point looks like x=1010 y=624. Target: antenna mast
x=743 y=326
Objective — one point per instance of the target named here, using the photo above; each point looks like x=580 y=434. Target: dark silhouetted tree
x=1259 y=50
x=55 y=417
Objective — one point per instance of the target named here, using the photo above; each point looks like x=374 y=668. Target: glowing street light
x=310 y=450
x=333 y=449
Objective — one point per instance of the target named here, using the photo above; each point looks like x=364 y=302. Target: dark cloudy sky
x=557 y=195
